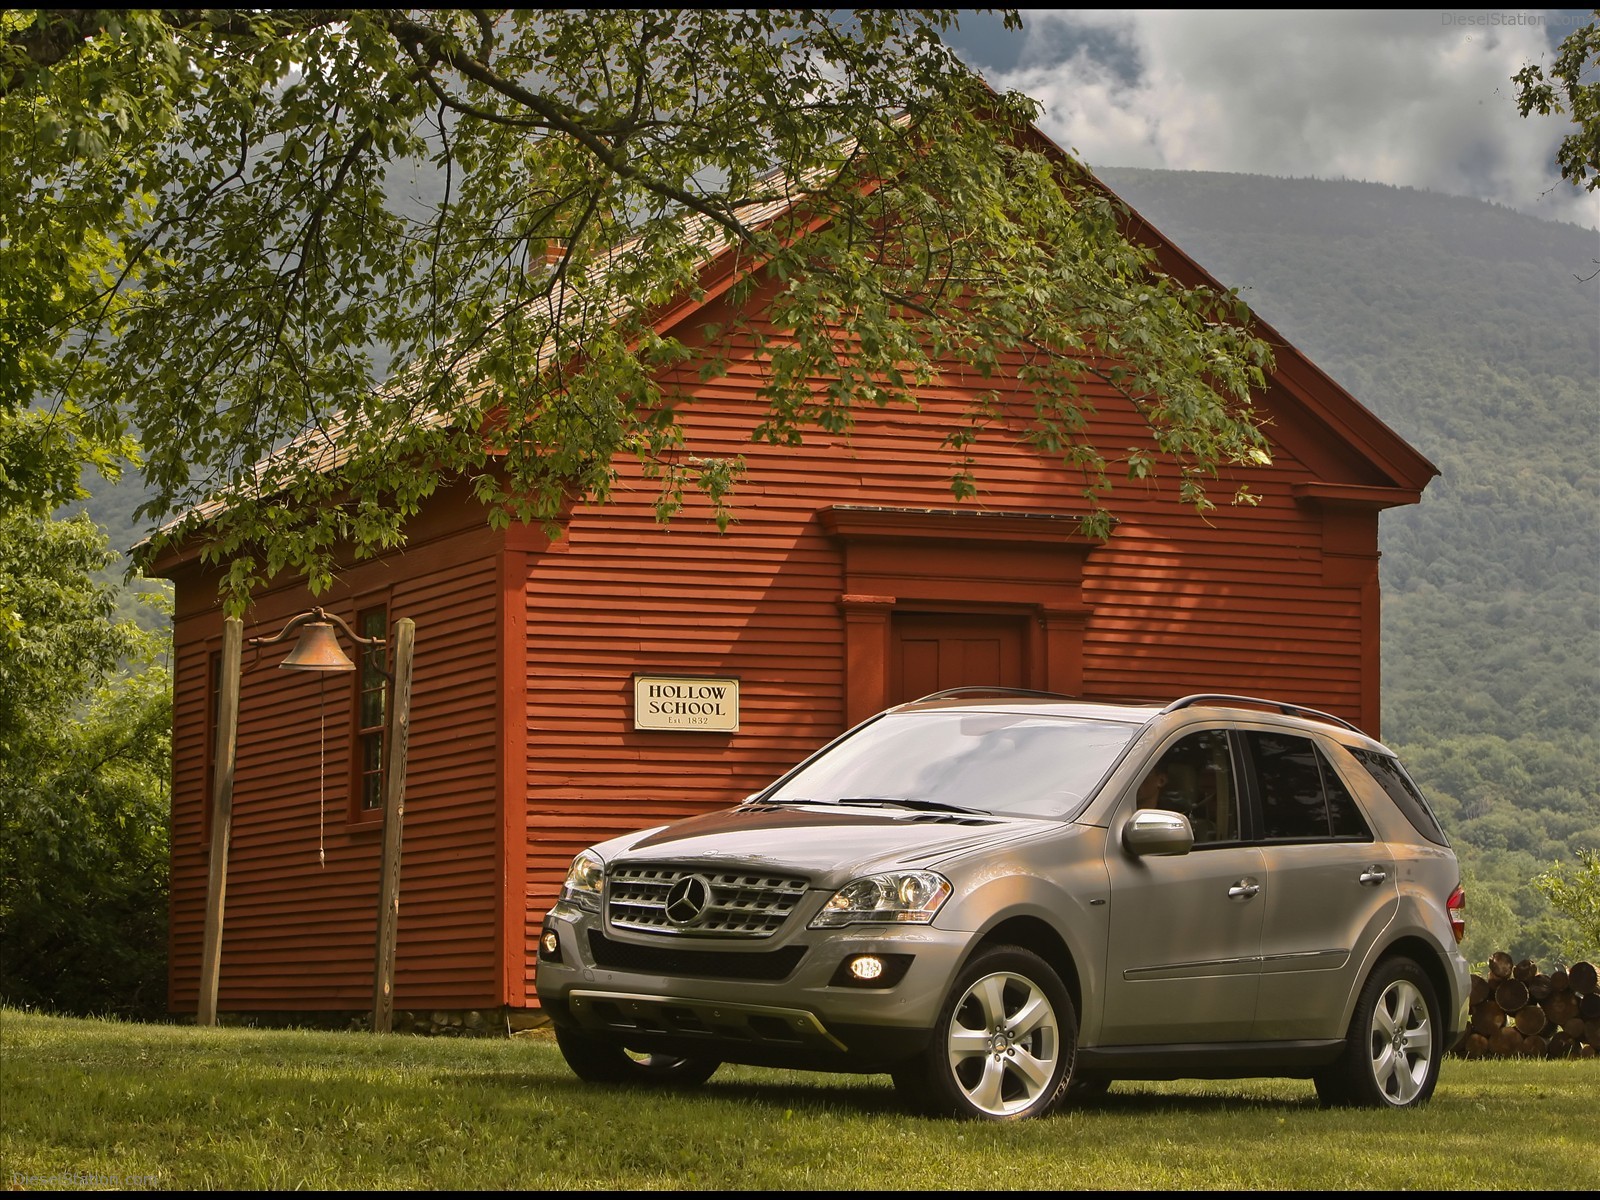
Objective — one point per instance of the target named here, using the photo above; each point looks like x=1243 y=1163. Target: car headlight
x=895 y=898
x=585 y=878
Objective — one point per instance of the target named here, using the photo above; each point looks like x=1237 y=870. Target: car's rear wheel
x=1004 y=1043
x=1392 y=1051
x=596 y=1059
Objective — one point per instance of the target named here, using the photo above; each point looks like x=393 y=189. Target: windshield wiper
x=905 y=802
x=874 y=802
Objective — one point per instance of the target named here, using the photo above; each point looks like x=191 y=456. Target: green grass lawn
x=100 y=1104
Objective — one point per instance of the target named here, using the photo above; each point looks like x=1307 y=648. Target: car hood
x=829 y=843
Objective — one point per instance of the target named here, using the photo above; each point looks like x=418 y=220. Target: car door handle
x=1373 y=876
x=1244 y=889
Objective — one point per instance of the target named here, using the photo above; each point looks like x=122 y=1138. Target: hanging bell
x=317 y=650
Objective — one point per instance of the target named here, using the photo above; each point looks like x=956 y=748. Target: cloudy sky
x=1418 y=98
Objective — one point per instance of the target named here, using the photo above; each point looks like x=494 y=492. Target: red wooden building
x=850 y=580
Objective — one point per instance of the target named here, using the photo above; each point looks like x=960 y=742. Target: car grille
x=703 y=964
x=736 y=903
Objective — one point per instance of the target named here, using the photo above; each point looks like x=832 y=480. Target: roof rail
x=1288 y=710
x=990 y=689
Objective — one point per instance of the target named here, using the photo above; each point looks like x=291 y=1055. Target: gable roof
x=1401 y=471
x=1312 y=387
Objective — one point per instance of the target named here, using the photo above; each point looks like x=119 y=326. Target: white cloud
x=1421 y=99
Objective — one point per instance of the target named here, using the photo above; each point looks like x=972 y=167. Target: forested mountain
x=1474 y=331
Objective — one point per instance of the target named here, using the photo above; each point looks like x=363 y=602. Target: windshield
x=1011 y=764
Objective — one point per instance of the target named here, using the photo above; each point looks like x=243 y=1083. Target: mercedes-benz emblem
x=688 y=900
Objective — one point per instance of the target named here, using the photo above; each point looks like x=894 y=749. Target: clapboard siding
x=1237 y=602
x=299 y=932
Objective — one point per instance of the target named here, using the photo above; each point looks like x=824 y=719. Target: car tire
x=1004 y=1044
x=1394 y=1046
x=603 y=1060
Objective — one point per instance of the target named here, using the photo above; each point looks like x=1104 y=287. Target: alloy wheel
x=1003 y=1043
x=1402 y=1042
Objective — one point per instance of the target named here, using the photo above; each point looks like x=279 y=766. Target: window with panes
x=213 y=741
x=372 y=711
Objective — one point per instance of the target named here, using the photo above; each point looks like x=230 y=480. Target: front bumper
x=778 y=1002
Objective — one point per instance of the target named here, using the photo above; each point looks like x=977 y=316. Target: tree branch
x=557 y=117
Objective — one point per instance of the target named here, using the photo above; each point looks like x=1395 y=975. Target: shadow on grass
x=865 y=1095
x=1146 y=1102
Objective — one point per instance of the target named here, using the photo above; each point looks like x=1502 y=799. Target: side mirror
x=1157 y=831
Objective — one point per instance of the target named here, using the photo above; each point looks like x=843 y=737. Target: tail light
x=1456 y=906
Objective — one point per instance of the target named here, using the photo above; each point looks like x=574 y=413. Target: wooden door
x=930 y=652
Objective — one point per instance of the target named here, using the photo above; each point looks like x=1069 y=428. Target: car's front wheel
x=1004 y=1044
x=602 y=1060
x=1392 y=1051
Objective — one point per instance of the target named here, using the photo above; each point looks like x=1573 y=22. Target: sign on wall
x=691 y=703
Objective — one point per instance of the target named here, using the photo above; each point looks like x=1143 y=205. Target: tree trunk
x=1481 y=991
x=1507 y=1043
x=1530 y=1020
x=1511 y=995
x=1488 y=1019
x=1561 y=1007
x=1515 y=1011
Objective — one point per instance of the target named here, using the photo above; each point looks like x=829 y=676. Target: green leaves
x=325 y=261
x=57 y=638
x=1573 y=88
x=84 y=776
x=1573 y=890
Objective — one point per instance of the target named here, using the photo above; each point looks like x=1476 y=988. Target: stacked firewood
x=1520 y=1011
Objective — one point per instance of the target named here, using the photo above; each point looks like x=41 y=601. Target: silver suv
x=1005 y=899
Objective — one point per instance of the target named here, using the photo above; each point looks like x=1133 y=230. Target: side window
x=1195 y=777
x=1344 y=815
x=1392 y=777
x=1302 y=797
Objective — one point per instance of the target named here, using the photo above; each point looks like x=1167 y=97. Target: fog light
x=879 y=971
x=550 y=945
x=866 y=967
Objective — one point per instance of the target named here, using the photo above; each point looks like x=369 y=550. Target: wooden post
x=221 y=820
x=394 y=808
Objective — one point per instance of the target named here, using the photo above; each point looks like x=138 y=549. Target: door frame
x=956 y=561
x=1018 y=616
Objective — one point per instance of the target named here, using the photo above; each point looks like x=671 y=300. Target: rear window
x=1392 y=778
